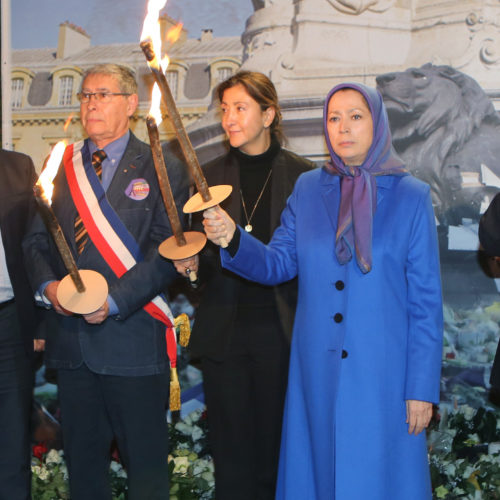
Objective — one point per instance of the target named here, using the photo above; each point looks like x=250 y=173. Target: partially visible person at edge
x=366 y=349
x=112 y=365
x=242 y=330
x=18 y=326
x=489 y=237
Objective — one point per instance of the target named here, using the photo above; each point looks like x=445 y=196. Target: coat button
x=344 y=354
x=339 y=285
x=338 y=318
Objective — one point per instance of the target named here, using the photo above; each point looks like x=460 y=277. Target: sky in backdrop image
x=35 y=23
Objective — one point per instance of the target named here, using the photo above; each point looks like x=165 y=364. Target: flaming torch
x=206 y=197
x=83 y=291
x=181 y=245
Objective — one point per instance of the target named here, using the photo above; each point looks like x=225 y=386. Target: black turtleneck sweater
x=254 y=171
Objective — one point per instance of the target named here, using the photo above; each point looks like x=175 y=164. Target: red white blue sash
x=108 y=233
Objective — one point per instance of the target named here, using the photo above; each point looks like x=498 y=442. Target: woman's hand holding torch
x=219 y=227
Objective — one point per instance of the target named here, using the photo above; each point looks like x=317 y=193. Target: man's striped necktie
x=81 y=236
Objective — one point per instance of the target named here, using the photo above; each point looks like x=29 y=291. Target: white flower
x=53 y=457
x=43 y=473
x=118 y=469
x=196 y=433
x=181 y=465
x=208 y=476
x=198 y=468
x=115 y=466
x=205 y=468
x=467 y=411
x=195 y=415
x=469 y=470
x=64 y=472
x=450 y=469
x=184 y=428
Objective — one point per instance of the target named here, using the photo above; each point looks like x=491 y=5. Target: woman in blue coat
x=366 y=349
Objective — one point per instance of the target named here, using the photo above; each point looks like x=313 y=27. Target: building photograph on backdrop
x=435 y=65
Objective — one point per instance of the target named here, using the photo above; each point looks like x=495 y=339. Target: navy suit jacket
x=17 y=206
x=131 y=343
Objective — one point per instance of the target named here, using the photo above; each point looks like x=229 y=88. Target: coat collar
x=330 y=190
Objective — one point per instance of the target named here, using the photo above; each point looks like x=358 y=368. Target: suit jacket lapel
x=129 y=168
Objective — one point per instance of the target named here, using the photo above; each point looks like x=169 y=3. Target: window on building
x=65 y=90
x=17 y=92
x=173 y=82
x=224 y=73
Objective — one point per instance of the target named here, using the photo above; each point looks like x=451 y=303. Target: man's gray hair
x=123 y=75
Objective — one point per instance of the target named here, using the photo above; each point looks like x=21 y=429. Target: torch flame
x=67 y=122
x=50 y=170
x=151 y=27
x=174 y=33
x=154 y=110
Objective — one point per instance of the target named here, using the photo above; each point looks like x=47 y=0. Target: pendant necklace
x=249 y=227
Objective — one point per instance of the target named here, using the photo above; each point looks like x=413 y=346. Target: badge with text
x=138 y=189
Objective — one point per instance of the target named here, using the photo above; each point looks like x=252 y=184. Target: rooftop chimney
x=206 y=35
x=72 y=39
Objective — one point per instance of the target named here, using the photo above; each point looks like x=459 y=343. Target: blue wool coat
x=362 y=345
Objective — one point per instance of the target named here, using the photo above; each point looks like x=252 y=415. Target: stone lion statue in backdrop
x=445 y=128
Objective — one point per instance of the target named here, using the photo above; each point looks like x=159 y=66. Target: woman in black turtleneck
x=242 y=329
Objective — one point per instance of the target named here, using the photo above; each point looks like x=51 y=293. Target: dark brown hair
x=261 y=89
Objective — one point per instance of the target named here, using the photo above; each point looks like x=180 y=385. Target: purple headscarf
x=358 y=193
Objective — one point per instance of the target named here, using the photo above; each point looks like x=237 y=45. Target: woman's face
x=349 y=126
x=245 y=124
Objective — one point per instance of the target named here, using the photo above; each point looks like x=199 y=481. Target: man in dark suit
x=112 y=365
x=18 y=323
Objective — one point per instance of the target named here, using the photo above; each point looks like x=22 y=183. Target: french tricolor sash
x=108 y=233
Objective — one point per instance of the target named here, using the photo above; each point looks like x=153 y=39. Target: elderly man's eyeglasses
x=99 y=96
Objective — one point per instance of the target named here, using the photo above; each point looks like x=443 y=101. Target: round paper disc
x=196 y=203
x=96 y=292
x=195 y=241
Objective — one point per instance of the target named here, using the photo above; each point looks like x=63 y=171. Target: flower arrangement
x=464 y=455
x=49 y=478
x=190 y=466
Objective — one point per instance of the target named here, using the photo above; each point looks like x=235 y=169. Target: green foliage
x=461 y=467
